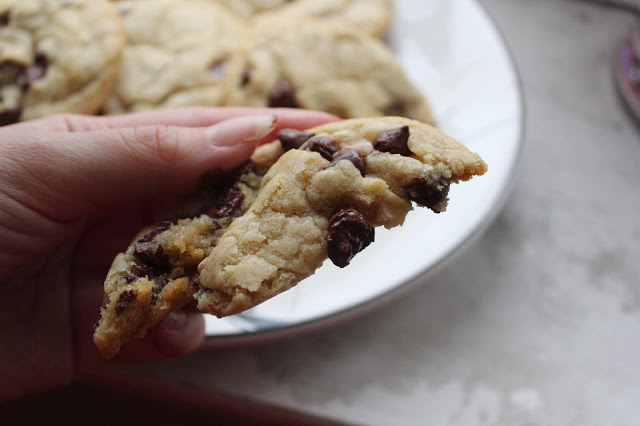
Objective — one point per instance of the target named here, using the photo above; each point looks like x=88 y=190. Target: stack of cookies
x=113 y=57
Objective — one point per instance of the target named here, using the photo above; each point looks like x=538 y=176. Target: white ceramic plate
x=451 y=49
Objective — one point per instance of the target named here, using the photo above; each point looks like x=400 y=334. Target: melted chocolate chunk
x=222 y=193
x=393 y=141
x=428 y=191
x=246 y=77
x=352 y=155
x=160 y=228
x=323 y=145
x=148 y=252
x=10 y=116
x=349 y=234
x=139 y=270
x=283 y=96
x=5 y=17
x=125 y=299
x=226 y=202
x=293 y=139
x=248 y=167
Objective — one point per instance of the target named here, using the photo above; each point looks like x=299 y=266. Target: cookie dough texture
x=282 y=238
x=317 y=65
x=140 y=291
x=176 y=54
x=57 y=56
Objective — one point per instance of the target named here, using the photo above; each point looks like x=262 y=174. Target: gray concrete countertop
x=539 y=322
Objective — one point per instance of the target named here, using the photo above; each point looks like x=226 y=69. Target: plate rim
x=251 y=338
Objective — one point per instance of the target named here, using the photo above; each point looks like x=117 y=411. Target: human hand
x=73 y=192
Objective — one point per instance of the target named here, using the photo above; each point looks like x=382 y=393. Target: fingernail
x=175 y=321
x=241 y=129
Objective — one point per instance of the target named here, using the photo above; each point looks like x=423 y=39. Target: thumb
x=64 y=176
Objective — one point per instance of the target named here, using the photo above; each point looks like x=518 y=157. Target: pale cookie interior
x=282 y=237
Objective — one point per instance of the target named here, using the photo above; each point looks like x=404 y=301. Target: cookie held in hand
x=158 y=273
x=310 y=196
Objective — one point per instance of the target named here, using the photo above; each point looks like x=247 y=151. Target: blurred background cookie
x=56 y=56
x=176 y=54
x=314 y=64
x=248 y=8
x=369 y=16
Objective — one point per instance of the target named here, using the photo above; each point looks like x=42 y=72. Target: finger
x=66 y=176
x=184 y=117
x=180 y=333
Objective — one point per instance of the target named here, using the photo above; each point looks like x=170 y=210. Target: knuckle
x=66 y=121
x=157 y=143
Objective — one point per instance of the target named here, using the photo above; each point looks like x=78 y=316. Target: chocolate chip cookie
x=372 y=17
x=323 y=199
x=56 y=56
x=309 y=196
x=306 y=63
x=158 y=272
x=176 y=54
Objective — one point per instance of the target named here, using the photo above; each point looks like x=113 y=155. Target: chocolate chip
x=394 y=141
x=428 y=191
x=160 y=228
x=5 y=17
x=349 y=234
x=293 y=139
x=248 y=167
x=283 y=96
x=226 y=202
x=139 y=270
x=352 y=155
x=323 y=145
x=125 y=299
x=10 y=116
x=246 y=77
x=152 y=255
x=222 y=193
x=147 y=252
